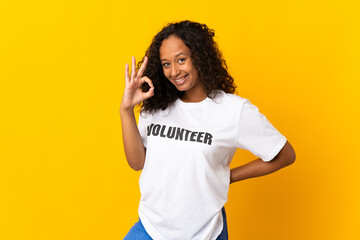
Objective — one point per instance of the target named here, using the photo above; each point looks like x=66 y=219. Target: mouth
x=180 y=81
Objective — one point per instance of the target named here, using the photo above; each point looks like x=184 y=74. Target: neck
x=193 y=96
x=193 y=99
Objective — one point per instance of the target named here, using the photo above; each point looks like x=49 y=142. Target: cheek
x=166 y=73
x=191 y=68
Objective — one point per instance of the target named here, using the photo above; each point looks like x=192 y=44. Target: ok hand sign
x=132 y=93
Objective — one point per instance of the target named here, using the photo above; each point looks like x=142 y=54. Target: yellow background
x=63 y=172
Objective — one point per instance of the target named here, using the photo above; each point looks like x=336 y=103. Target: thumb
x=149 y=93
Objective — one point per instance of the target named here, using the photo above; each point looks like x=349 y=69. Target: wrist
x=125 y=109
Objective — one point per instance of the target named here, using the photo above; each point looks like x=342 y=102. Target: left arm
x=258 y=167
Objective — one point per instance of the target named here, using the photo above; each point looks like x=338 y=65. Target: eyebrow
x=164 y=59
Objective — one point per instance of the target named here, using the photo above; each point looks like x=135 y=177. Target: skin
x=176 y=60
x=133 y=146
x=258 y=167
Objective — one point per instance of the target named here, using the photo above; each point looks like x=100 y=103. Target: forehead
x=172 y=46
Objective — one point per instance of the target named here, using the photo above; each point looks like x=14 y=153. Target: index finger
x=126 y=73
x=142 y=68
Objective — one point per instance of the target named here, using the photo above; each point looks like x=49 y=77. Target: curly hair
x=206 y=57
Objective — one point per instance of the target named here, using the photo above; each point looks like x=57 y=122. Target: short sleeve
x=256 y=134
x=142 y=125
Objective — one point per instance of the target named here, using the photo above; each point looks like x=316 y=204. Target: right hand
x=132 y=93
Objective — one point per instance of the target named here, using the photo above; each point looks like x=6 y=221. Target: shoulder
x=229 y=99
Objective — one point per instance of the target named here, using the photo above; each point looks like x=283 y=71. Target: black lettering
x=156 y=130
x=162 y=131
x=171 y=134
x=187 y=134
x=149 y=129
x=199 y=137
x=208 y=138
x=192 y=136
x=179 y=134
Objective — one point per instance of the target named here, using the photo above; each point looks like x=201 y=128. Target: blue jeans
x=137 y=232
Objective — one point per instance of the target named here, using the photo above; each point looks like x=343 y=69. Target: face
x=178 y=67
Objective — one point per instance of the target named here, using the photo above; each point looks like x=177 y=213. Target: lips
x=180 y=81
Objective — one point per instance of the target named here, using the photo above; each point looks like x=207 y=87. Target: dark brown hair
x=206 y=57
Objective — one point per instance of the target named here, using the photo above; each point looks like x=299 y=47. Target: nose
x=175 y=71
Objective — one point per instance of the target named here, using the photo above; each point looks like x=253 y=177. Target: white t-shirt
x=189 y=146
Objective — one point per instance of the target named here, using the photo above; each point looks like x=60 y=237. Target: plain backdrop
x=63 y=172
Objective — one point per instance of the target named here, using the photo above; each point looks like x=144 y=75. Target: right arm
x=133 y=145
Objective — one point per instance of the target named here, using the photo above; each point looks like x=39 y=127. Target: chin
x=181 y=88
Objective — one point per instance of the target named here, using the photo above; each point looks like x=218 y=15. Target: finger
x=148 y=80
x=133 y=67
x=142 y=68
x=149 y=93
x=126 y=73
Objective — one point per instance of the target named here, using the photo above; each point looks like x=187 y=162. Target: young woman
x=191 y=124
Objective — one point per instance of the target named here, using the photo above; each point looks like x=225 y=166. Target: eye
x=181 y=60
x=165 y=64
